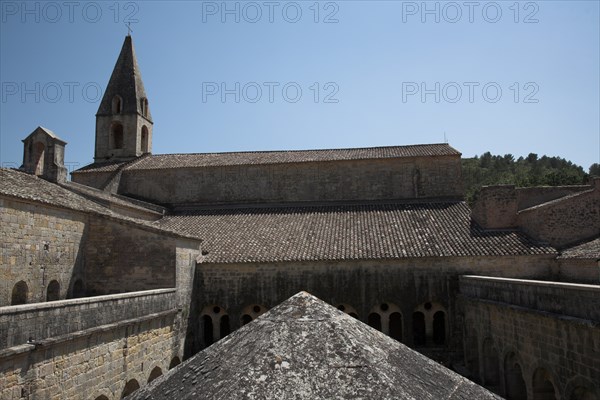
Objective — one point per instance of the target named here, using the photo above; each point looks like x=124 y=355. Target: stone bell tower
x=123 y=120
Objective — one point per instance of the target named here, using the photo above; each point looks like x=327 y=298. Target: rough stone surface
x=538 y=326
x=306 y=349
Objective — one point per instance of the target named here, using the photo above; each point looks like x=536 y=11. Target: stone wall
x=377 y=179
x=101 y=362
x=521 y=335
x=122 y=257
x=564 y=221
x=42 y=321
x=496 y=207
x=40 y=244
x=533 y=196
x=360 y=285
x=579 y=270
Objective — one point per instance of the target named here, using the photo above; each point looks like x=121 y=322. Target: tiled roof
x=166 y=161
x=102 y=167
x=24 y=186
x=347 y=232
x=305 y=349
x=163 y=161
x=588 y=250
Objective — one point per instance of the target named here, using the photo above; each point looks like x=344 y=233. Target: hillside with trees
x=532 y=170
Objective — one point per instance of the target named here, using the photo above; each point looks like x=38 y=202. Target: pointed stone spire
x=125 y=81
x=123 y=121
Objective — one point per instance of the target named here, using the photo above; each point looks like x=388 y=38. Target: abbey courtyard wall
x=362 y=287
x=519 y=335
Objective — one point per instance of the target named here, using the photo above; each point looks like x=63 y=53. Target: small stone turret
x=44 y=155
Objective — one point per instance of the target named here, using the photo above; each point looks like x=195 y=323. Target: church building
x=142 y=261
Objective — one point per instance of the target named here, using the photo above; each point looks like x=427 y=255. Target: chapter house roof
x=587 y=250
x=307 y=349
x=346 y=232
x=166 y=161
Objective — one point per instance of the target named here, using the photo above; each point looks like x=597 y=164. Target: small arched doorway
x=130 y=387
x=513 y=378
x=543 y=388
x=117 y=135
x=374 y=321
x=155 y=373
x=20 y=293
x=53 y=291
x=145 y=140
x=174 y=362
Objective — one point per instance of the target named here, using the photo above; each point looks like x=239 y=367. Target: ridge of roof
x=196 y=160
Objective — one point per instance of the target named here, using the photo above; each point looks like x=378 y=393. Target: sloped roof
x=167 y=161
x=587 y=250
x=346 y=232
x=21 y=185
x=125 y=81
x=307 y=349
x=47 y=132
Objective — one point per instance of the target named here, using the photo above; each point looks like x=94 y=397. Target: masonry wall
x=565 y=221
x=579 y=270
x=533 y=323
x=93 y=179
x=42 y=321
x=97 y=363
x=362 y=285
x=39 y=244
x=380 y=179
x=533 y=196
x=121 y=257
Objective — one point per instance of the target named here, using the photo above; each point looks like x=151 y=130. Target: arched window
x=78 y=289
x=117 y=104
x=374 y=321
x=543 y=388
x=145 y=148
x=387 y=318
x=439 y=328
x=251 y=312
x=208 y=330
x=117 y=135
x=130 y=387
x=348 y=309
x=19 y=293
x=419 y=335
x=216 y=324
x=144 y=106
x=174 y=362
x=434 y=324
x=513 y=378
x=101 y=397
x=224 y=326
x=53 y=291
x=155 y=373
x=491 y=367
x=39 y=152
x=396 y=326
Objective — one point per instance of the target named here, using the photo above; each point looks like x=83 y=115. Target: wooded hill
x=532 y=170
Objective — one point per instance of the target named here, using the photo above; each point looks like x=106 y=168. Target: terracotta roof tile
x=347 y=232
x=165 y=161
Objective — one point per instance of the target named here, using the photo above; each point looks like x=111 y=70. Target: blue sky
x=504 y=77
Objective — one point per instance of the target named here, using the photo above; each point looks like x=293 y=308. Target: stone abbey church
x=375 y=277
